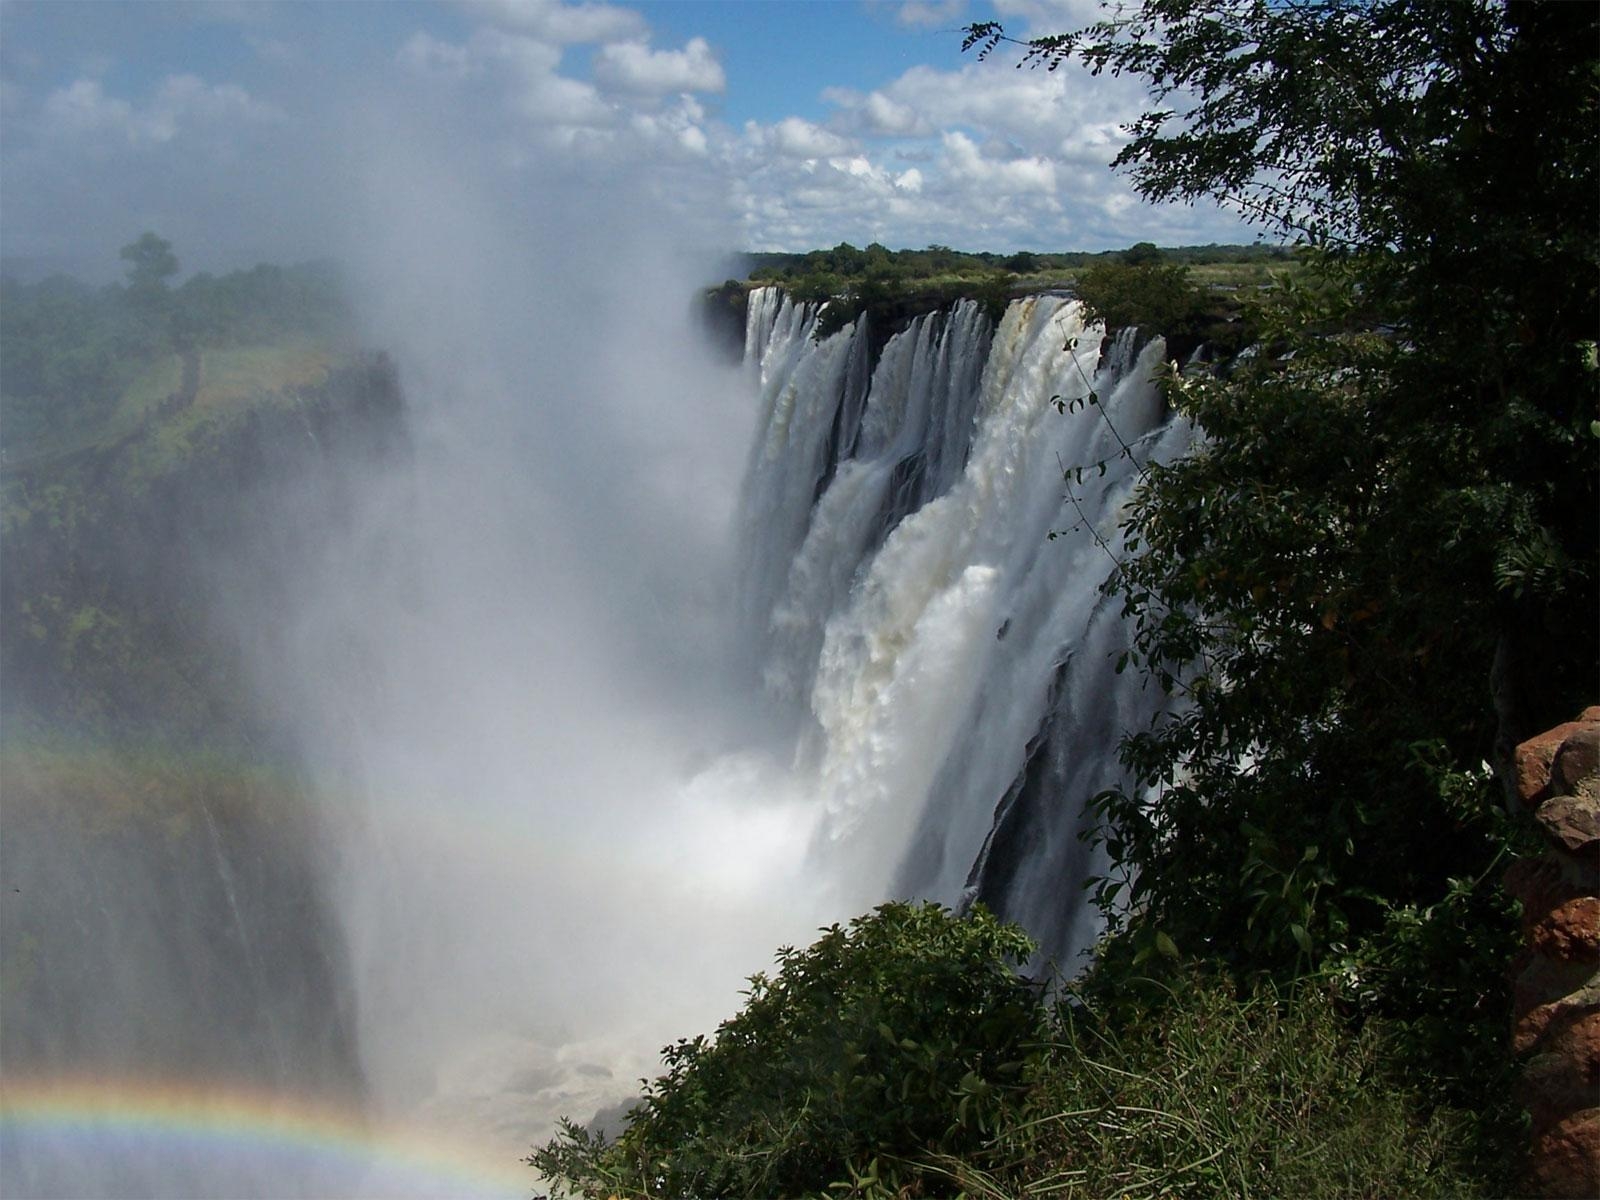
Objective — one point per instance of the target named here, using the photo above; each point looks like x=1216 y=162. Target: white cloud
x=551 y=21
x=428 y=55
x=876 y=114
x=797 y=138
x=634 y=68
x=83 y=108
x=1038 y=18
x=930 y=14
x=523 y=72
x=180 y=103
x=965 y=161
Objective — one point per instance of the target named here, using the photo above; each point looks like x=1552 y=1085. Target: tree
x=1142 y=254
x=1159 y=297
x=893 y=1038
x=151 y=263
x=1378 y=569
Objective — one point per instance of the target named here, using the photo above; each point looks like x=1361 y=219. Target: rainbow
x=80 y=1137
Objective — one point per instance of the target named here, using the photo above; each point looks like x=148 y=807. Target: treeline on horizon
x=72 y=348
x=936 y=260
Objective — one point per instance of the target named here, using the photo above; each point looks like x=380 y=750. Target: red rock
x=1553 y=1085
x=1546 y=995
x=1542 y=884
x=1576 y=1038
x=1565 y=1159
x=1535 y=757
x=1578 y=758
x=1570 y=932
x=1590 y=715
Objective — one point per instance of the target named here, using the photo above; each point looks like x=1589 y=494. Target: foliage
x=943 y=1073
x=71 y=350
x=126 y=465
x=910 y=267
x=1149 y=294
x=1198 y=1090
x=151 y=263
x=889 y=1039
x=1377 y=570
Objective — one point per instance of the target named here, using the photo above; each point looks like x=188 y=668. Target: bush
x=1207 y=1093
x=904 y=1057
x=1156 y=298
x=890 y=1040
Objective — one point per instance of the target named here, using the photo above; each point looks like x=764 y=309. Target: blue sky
x=234 y=127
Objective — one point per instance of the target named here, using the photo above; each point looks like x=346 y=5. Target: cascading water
x=551 y=828
x=929 y=604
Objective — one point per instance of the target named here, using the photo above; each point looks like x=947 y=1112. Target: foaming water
x=928 y=601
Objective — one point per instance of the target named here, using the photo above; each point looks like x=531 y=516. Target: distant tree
x=1142 y=254
x=1159 y=299
x=1022 y=263
x=151 y=263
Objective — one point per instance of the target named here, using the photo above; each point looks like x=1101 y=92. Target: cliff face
x=115 y=556
x=1556 y=1023
x=166 y=911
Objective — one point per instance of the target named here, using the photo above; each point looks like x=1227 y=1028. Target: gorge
x=565 y=773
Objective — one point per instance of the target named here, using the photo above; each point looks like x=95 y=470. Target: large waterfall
x=924 y=596
x=583 y=727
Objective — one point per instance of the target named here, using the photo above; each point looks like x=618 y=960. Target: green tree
x=1142 y=254
x=1377 y=571
x=1159 y=298
x=151 y=263
x=858 y=1051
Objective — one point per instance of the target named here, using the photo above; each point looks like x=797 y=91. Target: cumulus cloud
x=634 y=68
x=1037 y=18
x=524 y=72
x=428 y=55
x=551 y=21
x=930 y=14
x=965 y=161
x=971 y=154
x=793 y=137
x=83 y=108
x=876 y=114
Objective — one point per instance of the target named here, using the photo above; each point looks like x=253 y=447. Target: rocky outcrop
x=1556 y=1021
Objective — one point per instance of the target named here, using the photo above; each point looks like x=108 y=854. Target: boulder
x=1572 y=822
x=1566 y=1157
x=1576 y=760
x=1570 y=932
x=1556 y=996
x=1534 y=758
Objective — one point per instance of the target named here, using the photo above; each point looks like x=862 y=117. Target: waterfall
x=924 y=598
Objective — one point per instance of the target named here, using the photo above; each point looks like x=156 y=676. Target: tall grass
x=1214 y=1094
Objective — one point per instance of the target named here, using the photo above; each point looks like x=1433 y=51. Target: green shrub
x=1207 y=1093
x=890 y=1040
x=1155 y=297
x=904 y=1057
